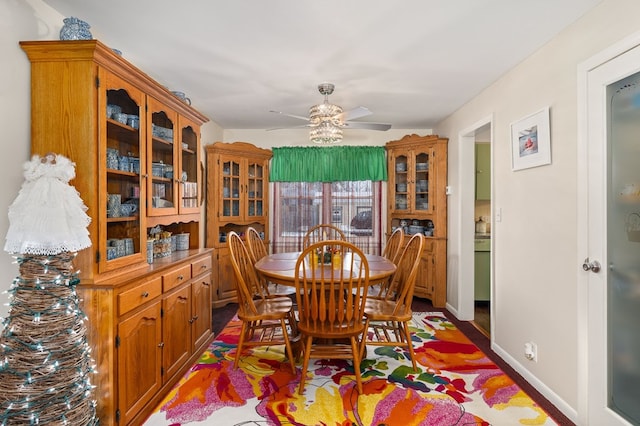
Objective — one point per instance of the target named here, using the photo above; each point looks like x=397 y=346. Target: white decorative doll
x=48 y=216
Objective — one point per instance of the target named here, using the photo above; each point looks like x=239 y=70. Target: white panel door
x=611 y=197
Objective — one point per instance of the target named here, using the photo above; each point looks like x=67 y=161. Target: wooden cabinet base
x=146 y=331
x=147 y=410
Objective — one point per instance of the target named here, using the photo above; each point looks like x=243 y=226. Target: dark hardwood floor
x=474 y=330
x=482 y=317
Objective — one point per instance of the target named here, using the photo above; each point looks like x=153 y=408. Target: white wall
x=19 y=20
x=535 y=244
x=300 y=137
x=210 y=132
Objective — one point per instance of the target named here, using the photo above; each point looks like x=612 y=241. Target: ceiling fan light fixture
x=325 y=122
x=325 y=133
x=325 y=112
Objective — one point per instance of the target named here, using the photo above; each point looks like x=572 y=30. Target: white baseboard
x=561 y=404
x=452 y=309
x=565 y=408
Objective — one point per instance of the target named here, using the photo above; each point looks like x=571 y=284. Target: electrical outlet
x=531 y=351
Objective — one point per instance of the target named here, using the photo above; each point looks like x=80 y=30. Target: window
x=352 y=206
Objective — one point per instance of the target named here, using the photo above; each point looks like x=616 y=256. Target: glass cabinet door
x=122 y=231
x=421 y=181
x=187 y=177
x=255 y=190
x=401 y=180
x=161 y=159
x=231 y=187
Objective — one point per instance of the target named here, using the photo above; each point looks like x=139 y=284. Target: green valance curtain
x=328 y=164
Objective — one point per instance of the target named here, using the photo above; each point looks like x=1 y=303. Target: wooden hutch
x=417 y=169
x=237 y=198
x=133 y=142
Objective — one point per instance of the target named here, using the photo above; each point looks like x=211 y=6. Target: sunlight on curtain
x=352 y=206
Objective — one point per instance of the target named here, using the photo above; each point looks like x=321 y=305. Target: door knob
x=593 y=266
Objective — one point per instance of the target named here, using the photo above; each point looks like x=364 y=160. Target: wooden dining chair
x=321 y=232
x=265 y=321
x=258 y=250
x=255 y=244
x=393 y=246
x=387 y=317
x=331 y=300
x=392 y=251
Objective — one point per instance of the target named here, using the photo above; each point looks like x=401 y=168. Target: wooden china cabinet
x=137 y=152
x=238 y=197
x=417 y=169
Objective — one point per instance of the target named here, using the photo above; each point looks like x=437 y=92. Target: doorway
x=482 y=227
x=482 y=235
x=468 y=171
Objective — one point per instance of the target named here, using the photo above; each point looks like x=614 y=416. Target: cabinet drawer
x=131 y=299
x=176 y=277
x=201 y=266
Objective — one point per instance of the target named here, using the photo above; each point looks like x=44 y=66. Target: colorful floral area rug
x=456 y=385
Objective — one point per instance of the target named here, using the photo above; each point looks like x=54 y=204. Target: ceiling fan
x=327 y=120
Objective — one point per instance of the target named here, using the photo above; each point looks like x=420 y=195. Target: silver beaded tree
x=45 y=361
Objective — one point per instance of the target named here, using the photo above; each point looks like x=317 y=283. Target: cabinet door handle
x=205 y=283
x=161 y=345
x=145 y=294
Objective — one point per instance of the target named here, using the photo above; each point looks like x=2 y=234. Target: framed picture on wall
x=531 y=141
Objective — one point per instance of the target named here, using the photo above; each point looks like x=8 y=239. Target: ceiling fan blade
x=291 y=115
x=354 y=113
x=325 y=116
x=365 y=125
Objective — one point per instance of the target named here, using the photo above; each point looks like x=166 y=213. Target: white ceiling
x=411 y=62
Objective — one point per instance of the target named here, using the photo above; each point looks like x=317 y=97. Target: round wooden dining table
x=280 y=268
